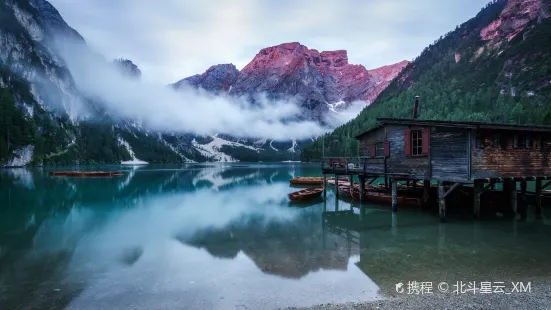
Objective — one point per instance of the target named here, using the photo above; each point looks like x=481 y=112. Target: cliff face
x=514 y=18
x=294 y=70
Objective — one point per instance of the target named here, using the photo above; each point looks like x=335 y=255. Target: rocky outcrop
x=216 y=79
x=128 y=68
x=383 y=76
x=514 y=18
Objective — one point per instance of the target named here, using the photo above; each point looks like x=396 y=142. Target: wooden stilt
x=362 y=189
x=538 y=198
x=478 y=189
x=426 y=193
x=441 y=201
x=414 y=184
x=407 y=183
x=336 y=186
x=351 y=179
x=324 y=186
x=523 y=201
x=394 y=195
x=513 y=197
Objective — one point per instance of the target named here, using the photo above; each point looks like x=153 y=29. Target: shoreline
x=538 y=298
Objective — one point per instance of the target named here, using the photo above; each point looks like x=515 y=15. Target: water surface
x=224 y=236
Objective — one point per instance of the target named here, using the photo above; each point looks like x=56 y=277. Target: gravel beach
x=538 y=298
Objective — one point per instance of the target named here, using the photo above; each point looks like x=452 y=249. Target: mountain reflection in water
x=224 y=236
x=213 y=237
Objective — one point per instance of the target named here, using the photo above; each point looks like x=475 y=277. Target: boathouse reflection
x=415 y=246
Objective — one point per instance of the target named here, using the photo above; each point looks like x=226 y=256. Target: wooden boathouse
x=453 y=154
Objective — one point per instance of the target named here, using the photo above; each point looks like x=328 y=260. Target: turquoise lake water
x=224 y=236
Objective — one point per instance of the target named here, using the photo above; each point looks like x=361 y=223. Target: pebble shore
x=538 y=298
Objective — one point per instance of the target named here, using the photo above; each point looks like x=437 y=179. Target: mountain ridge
x=496 y=67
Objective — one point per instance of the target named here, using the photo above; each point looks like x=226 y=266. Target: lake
x=224 y=236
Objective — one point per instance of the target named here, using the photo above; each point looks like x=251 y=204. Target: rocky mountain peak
x=215 y=79
x=128 y=68
x=514 y=18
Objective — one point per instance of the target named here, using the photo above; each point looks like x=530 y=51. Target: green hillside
x=495 y=81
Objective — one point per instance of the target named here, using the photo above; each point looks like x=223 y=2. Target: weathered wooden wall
x=496 y=161
x=398 y=162
x=449 y=153
x=373 y=165
x=370 y=138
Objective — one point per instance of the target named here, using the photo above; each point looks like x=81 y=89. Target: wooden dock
x=470 y=155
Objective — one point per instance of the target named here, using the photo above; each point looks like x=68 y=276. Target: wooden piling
x=351 y=180
x=362 y=189
x=538 y=198
x=478 y=189
x=394 y=195
x=441 y=201
x=336 y=186
x=324 y=185
x=512 y=194
x=426 y=193
x=523 y=200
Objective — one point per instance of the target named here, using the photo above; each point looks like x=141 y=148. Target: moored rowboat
x=306 y=194
x=383 y=198
x=86 y=173
x=307 y=180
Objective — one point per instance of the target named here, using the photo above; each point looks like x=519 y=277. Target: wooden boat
x=86 y=173
x=307 y=181
x=306 y=194
x=345 y=190
x=384 y=198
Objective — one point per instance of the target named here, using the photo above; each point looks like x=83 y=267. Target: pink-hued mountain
x=291 y=69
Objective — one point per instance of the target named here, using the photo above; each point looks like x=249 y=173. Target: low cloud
x=161 y=108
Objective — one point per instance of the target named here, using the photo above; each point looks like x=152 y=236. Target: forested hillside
x=472 y=73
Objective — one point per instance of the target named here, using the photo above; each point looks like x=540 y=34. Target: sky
x=173 y=39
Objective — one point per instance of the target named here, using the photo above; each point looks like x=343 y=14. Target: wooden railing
x=343 y=163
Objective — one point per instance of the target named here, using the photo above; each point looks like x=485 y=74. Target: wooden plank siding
x=457 y=152
x=449 y=153
x=373 y=165
x=400 y=164
x=504 y=160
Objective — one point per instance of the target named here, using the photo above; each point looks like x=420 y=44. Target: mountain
x=496 y=67
x=46 y=119
x=322 y=84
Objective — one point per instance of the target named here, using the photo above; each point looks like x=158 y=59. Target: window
x=515 y=140
x=379 y=149
x=416 y=142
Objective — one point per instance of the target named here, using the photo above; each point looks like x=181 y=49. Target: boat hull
x=306 y=194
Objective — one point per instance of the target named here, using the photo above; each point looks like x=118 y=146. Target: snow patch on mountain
x=336 y=106
x=260 y=143
x=65 y=150
x=293 y=148
x=212 y=149
x=134 y=161
x=272 y=147
x=23 y=157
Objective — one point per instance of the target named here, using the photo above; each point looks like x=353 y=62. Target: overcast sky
x=173 y=39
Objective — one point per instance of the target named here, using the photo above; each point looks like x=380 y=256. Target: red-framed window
x=379 y=149
x=417 y=142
